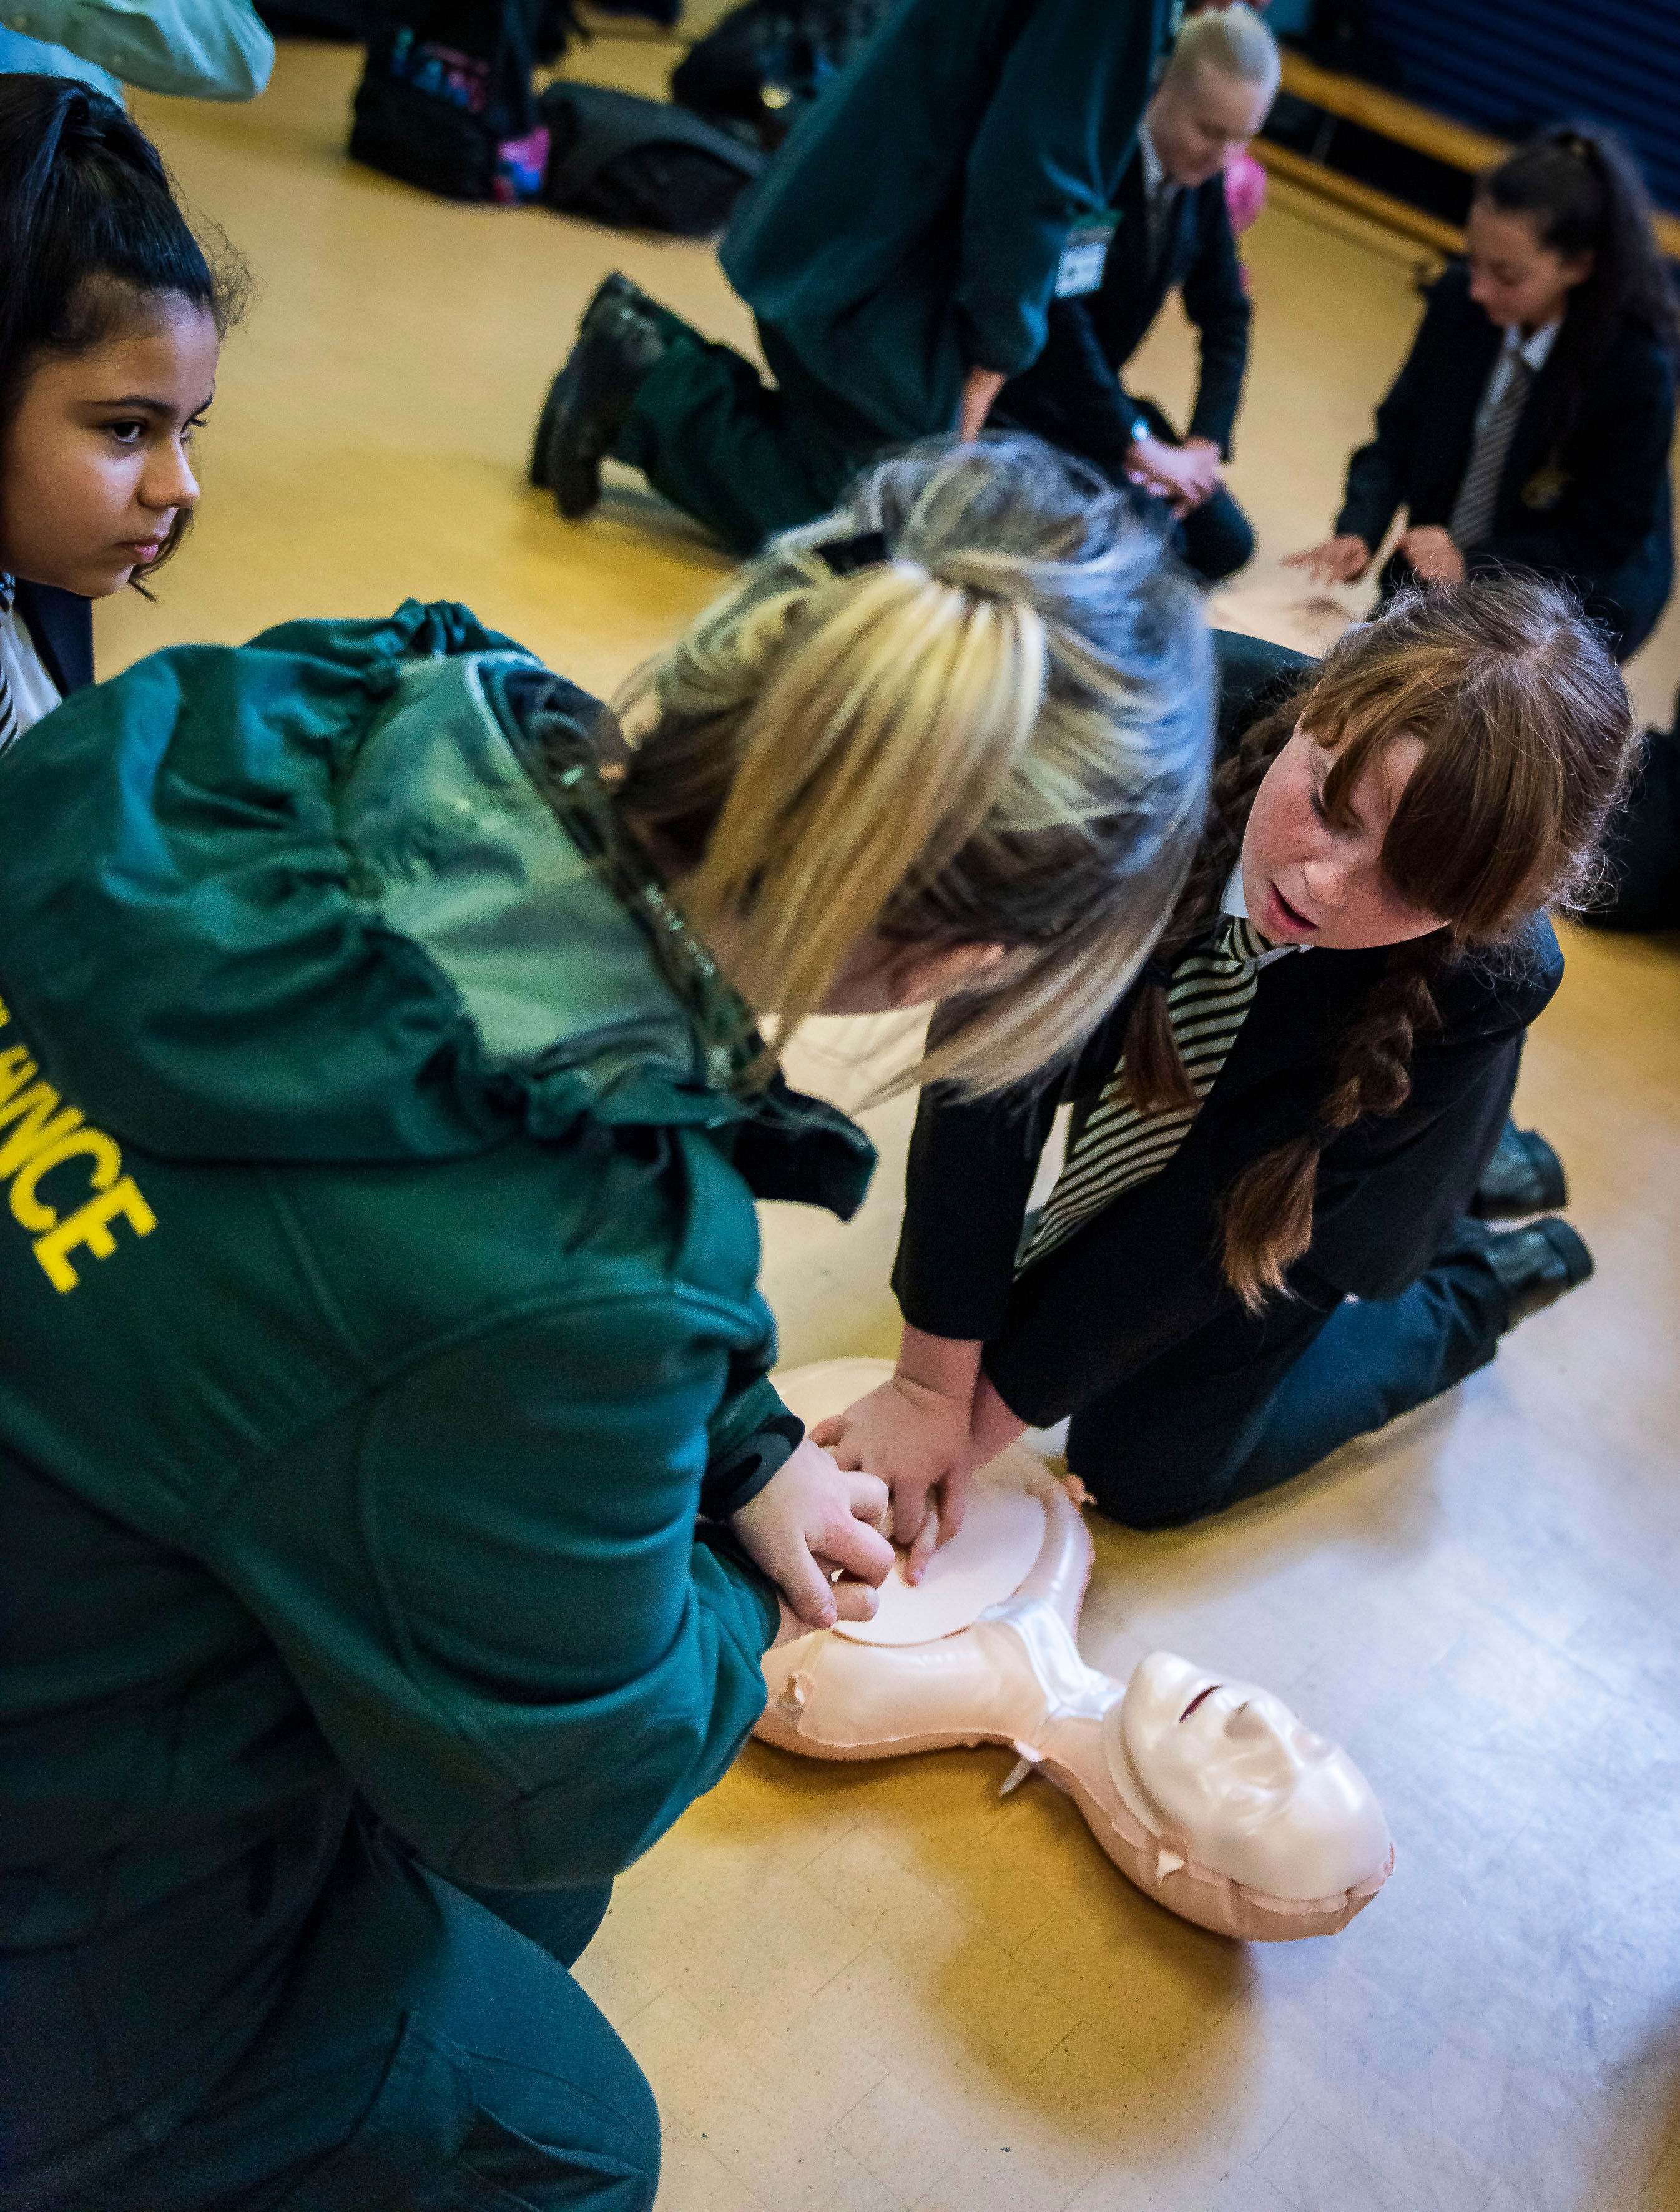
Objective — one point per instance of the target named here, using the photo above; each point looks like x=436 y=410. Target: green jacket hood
x=352 y=892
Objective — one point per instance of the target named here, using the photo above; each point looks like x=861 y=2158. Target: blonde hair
x=1232 y=40
x=997 y=730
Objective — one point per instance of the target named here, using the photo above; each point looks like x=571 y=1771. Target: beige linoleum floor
x=872 y=1987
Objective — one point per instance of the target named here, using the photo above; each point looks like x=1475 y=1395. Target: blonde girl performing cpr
x=1295 y=1103
x=360 y=1630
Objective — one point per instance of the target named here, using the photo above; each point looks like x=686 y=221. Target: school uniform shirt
x=31 y=691
x=52 y=647
x=1143 y=1276
x=1596 y=514
x=1533 y=351
x=1194 y=254
x=1074 y=394
x=912 y=227
x=61 y=627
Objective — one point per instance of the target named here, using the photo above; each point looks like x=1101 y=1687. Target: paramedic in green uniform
x=397 y=1507
x=900 y=253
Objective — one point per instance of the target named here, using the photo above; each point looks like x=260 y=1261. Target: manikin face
x=1516 y=282
x=1226 y=1772
x=1196 y=121
x=95 y=469
x=1307 y=880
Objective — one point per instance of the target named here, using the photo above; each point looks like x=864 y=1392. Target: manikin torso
x=1209 y=1793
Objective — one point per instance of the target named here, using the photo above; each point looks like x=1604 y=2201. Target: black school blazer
x=1200 y=259
x=1597 y=513
x=1144 y=1275
x=61 y=624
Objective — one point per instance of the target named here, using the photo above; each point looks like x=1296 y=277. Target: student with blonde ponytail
x=1258 y=1245
x=402 y=1563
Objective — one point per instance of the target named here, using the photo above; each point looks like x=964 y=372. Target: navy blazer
x=1597 y=515
x=1200 y=259
x=1143 y=1276
x=61 y=626
x=1072 y=395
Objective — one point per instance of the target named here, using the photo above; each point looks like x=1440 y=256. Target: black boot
x=1535 y=1266
x=619 y=340
x=1523 y=1176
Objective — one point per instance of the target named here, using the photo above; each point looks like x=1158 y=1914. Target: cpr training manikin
x=1209 y=1793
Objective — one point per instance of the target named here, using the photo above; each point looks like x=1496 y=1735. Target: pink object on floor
x=1245 y=189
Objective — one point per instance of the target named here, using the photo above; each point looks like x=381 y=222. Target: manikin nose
x=1249 y=1722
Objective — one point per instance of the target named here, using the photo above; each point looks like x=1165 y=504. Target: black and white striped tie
x=1207 y=1000
x=1472 y=516
x=8 y=704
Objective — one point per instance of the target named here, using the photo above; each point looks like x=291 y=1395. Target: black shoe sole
x=541 y=477
x=540 y=473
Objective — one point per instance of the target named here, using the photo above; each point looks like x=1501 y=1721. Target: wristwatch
x=1140 y=430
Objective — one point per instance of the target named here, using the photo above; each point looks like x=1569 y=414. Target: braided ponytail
x=1527 y=739
x=1267 y=1219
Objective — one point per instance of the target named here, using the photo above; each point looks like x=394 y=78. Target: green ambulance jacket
x=912 y=227
x=377 y=1263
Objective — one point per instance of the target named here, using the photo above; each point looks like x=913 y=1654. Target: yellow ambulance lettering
x=40 y=1133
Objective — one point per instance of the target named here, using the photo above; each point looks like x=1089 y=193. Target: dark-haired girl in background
x=1258 y=1247
x=110 y=323
x=1530 y=425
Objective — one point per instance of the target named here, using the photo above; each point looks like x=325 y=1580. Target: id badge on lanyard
x=1083 y=256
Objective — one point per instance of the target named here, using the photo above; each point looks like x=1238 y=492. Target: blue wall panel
x=1508 y=65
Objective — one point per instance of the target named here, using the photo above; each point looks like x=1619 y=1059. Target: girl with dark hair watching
x=1530 y=426
x=111 y=321
x=1258 y=1247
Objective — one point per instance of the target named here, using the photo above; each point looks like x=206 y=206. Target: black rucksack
x=447 y=102
x=755 y=74
x=640 y=164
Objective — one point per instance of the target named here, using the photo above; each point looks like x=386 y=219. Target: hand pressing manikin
x=814 y=1528
x=923 y=1432
x=1208 y=1792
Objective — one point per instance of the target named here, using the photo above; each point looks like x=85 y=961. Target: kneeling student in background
x=1174 y=235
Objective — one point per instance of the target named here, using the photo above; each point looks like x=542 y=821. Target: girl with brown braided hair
x=1258 y=1247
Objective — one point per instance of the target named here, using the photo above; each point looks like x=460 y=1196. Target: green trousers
x=430 y=2053
x=745 y=458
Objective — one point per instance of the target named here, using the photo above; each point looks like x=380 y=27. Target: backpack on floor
x=640 y=164
x=764 y=64
x=447 y=100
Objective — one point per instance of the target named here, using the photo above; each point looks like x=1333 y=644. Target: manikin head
x=1225 y=1774
x=1217 y=92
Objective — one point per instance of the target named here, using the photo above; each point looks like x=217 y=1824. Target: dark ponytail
x=90 y=233
x=1582 y=190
